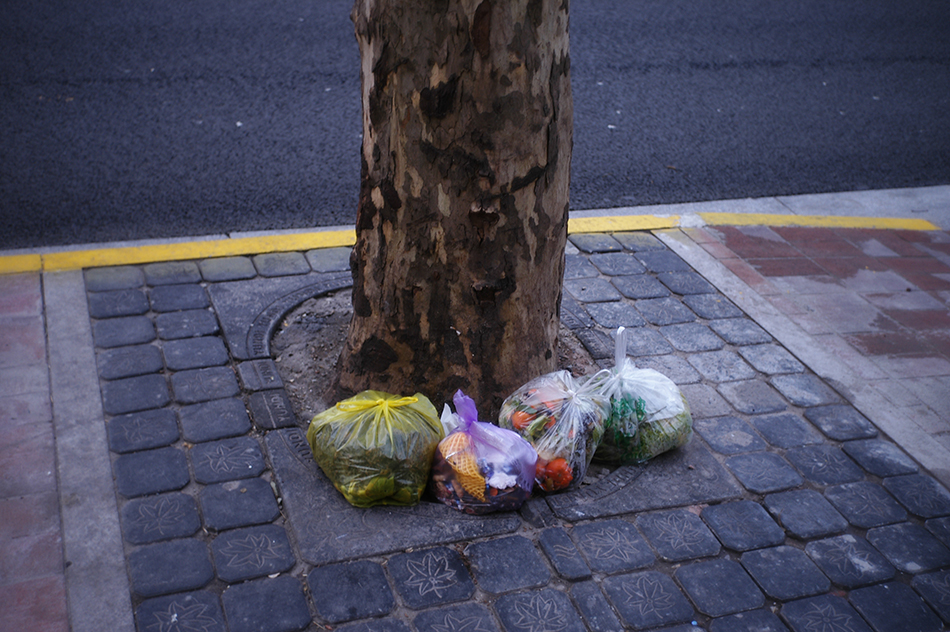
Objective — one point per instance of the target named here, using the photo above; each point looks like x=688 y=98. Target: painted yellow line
x=620 y=223
x=132 y=255
x=814 y=221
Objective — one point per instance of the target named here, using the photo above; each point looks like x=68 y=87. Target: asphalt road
x=140 y=119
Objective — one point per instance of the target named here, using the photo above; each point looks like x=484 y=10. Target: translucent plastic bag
x=563 y=420
x=479 y=468
x=649 y=414
x=377 y=448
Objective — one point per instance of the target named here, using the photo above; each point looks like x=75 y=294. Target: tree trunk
x=462 y=219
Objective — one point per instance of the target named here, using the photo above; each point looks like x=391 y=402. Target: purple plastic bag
x=480 y=468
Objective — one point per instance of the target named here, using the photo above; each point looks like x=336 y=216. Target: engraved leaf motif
x=253 y=551
x=453 y=624
x=848 y=558
x=158 y=516
x=228 y=459
x=179 y=618
x=539 y=613
x=824 y=618
x=136 y=430
x=942 y=587
x=611 y=543
x=648 y=595
x=431 y=574
x=677 y=530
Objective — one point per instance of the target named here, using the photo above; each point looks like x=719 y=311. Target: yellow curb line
x=131 y=255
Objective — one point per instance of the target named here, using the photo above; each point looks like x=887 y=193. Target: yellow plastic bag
x=377 y=448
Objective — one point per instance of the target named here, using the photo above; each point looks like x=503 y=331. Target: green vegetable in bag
x=377 y=448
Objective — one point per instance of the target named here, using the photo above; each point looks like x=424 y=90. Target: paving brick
x=235 y=504
x=771 y=359
x=640 y=286
x=648 y=599
x=573 y=314
x=805 y=513
x=348 y=591
x=594 y=607
x=562 y=553
x=804 y=390
x=226 y=460
x=894 y=607
x=662 y=261
x=120 y=332
x=507 y=564
x=430 y=577
x=673 y=367
x=841 y=422
x=272 y=409
x=281 y=264
x=617 y=263
x=678 y=535
x=865 y=504
x=592 y=290
x=910 y=547
x=738 y=331
x=171 y=273
x=612 y=545
x=664 y=311
x=538 y=610
x=823 y=610
x=728 y=435
x=712 y=306
x=753 y=397
x=686 y=283
x=763 y=472
x=170 y=567
x=719 y=587
x=267 y=605
x=194 y=353
x=704 y=401
x=142 y=430
x=464 y=616
x=692 y=337
x=639 y=241
x=743 y=525
x=186 y=324
x=329 y=259
x=259 y=375
x=922 y=495
x=647 y=342
x=129 y=361
x=578 y=267
x=722 y=366
x=935 y=589
x=133 y=394
x=175 y=298
x=615 y=314
x=786 y=430
x=824 y=464
x=940 y=527
x=227 y=269
x=199 y=385
x=595 y=242
x=113 y=278
x=198 y=610
x=850 y=561
x=159 y=517
x=785 y=573
x=751 y=621
x=218 y=419
x=151 y=472
x=253 y=552
x=117 y=303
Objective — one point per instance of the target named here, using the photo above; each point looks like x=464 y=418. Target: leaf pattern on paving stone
x=538 y=613
x=431 y=574
x=158 y=516
x=180 y=618
x=223 y=459
x=454 y=624
x=611 y=543
x=825 y=618
x=254 y=550
x=648 y=596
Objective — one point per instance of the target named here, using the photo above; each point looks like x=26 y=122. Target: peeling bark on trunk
x=462 y=218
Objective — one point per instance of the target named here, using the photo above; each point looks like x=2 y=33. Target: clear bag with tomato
x=564 y=420
x=649 y=414
x=478 y=467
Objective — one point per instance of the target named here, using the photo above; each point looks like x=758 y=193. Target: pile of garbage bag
x=378 y=448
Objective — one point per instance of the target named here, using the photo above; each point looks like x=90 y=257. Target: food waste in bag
x=648 y=413
x=478 y=467
x=564 y=421
x=377 y=448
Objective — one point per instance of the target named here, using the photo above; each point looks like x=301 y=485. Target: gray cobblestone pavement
x=789 y=510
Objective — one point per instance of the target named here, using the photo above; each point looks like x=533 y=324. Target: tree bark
x=462 y=218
